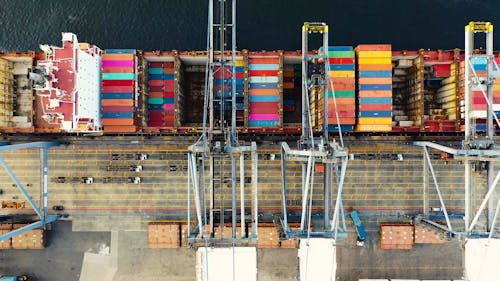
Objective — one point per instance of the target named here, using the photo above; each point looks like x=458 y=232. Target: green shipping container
x=155 y=101
x=342 y=94
x=341 y=54
x=118 y=76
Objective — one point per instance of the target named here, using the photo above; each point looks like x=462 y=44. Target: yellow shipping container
x=375 y=54
x=374 y=120
x=341 y=74
x=240 y=63
x=375 y=60
x=374 y=128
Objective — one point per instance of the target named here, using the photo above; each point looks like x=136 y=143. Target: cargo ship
x=79 y=88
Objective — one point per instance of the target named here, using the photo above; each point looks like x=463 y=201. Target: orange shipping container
x=117 y=122
x=373 y=128
x=341 y=107
x=263 y=92
x=117 y=57
x=375 y=94
x=374 y=67
x=342 y=120
x=373 y=47
x=120 y=129
x=111 y=102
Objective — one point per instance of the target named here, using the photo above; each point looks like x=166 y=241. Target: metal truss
x=218 y=143
x=42 y=211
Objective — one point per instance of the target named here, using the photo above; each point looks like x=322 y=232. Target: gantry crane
x=317 y=260
x=207 y=160
x=477 y=149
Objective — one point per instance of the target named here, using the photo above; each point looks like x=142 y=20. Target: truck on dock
x=128 y=156
x=85 y=180
x=359 y=228
x=13 y=278
x=134 y=180
x=132 y=168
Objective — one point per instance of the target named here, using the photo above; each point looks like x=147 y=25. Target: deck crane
x=481 y=247
x=208 y=160
x=317 y=250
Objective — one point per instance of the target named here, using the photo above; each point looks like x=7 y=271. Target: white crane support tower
x=477 y=150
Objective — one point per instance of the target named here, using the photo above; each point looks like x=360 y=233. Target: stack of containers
x=264 y=94
x=161 y=84
x=478 y=101
x=374 y=88
x=288 y=87
x=341 y=76
x=118 y=93
x=223 y=83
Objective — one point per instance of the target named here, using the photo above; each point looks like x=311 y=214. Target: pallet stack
x=161 y=100
x=164 y=236
x=118 y=105
x=374 y=88
x=396 y=237
x=341 y=86
x=264 y=94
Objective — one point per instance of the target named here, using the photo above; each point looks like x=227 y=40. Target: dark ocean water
x=262 y=24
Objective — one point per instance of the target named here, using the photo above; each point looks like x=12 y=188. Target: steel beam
x=255 y=190
x=39 y=144
x=242 y=194
x=426 y=184
x=21 y=187
x=443 y=206
x=493 y=223
x=491 y=190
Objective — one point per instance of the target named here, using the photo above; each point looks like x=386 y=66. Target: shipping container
x=341 y=85
x=16 y=93
x=374 y=80
x=163 y=98
x=119 y=91
x=441 y=91
x=265 y=90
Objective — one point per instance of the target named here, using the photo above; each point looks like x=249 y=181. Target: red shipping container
x=263 y=72
x=264 y=107
x=168 y=64
x=118 y=82
x=155 y=94
x=155 y=115
x=117 y=122
x=155 y=88
x=155 y=64
x=117 y=89
x=155 y=124
x=117 y=109
x=267 y=60
x=341 y=60
x=480 y=100
x=375 y=107
x=168 y=95
x=169 y=71
x=155 y=82
x=168 y=118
